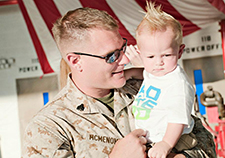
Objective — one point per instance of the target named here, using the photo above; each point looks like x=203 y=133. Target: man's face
x=96 y=72
x=158 y=51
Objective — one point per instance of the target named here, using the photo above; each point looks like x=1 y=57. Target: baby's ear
x=181 y=50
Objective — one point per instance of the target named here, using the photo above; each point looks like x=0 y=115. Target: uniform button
x=80 y=107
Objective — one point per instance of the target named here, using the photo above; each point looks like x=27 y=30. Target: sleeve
x=42 y=141
x=205 y=147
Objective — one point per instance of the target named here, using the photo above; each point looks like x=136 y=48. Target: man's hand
x=131 y=146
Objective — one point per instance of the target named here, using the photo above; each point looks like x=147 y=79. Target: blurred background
x=30 y=60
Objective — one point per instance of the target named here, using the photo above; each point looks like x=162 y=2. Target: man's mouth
x=118 y=72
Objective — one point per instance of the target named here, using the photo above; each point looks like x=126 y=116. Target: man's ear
x=181 y=49
x=74 y=61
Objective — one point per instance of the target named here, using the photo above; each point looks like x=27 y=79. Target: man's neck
x=98 y=93
x=92 y=92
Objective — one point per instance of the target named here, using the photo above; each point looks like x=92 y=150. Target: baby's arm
x=162 y=149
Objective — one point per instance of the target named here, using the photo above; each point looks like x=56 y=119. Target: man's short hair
x=75 y=24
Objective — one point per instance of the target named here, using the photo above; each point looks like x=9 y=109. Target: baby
x=164 y=102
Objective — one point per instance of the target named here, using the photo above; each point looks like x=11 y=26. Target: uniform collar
x=86 y=104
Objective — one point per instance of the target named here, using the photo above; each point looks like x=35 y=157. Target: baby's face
x=158 y=51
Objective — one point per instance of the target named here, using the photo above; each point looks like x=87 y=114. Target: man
x=91 y=117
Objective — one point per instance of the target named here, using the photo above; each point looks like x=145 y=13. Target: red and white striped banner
x=39 y=16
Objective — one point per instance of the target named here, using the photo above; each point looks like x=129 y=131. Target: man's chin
x=120 y=83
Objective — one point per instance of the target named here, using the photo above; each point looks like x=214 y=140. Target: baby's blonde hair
x=157 y=20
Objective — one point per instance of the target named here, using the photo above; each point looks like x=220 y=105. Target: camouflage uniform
x=76 y=125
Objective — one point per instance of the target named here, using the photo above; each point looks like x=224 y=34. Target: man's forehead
x=105 y=37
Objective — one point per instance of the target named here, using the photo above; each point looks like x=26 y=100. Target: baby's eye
x=167 y=55
x=151 y=56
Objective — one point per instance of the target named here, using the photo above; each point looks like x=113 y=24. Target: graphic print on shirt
x=145 y=101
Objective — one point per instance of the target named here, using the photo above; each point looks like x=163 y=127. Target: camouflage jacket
x=76 y=125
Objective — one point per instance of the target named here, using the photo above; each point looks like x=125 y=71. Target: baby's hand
x=134 y=56
x=159 y=150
